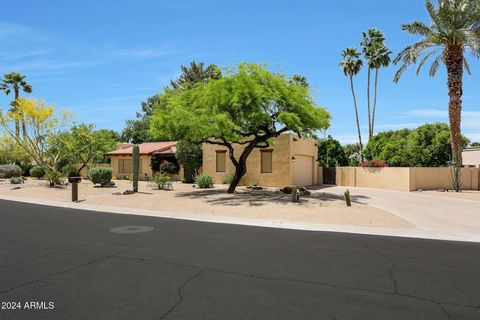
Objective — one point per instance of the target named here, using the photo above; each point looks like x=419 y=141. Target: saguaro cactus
x=136 y=165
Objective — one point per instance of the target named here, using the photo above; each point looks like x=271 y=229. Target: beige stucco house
x=471 y=157
x=122 y=163
x=290 y=160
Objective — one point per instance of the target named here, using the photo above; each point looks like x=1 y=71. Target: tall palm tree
x=454 y=28
x=15 y=81
x=351 y=65
x=377 y=56
x=380 y=59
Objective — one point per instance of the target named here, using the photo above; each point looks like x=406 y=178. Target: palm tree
x=454 y=28
x=15 y=81
x=380 y=59
x=378 y=56
x=351 y=65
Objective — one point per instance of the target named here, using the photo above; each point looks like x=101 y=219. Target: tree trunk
x=17 y=122
x=240 y=171
x=368 y=104
x=374 y=101
x=241 y=164
x=454 y=62
x=17 y=128
x=24 y=128
x=356 y=118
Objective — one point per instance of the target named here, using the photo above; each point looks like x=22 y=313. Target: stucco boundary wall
x=405 y=179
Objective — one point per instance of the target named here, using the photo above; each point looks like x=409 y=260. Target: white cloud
x=10 y=30
x=430 y=113
x=166 y=49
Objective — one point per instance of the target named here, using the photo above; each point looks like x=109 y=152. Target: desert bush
x=162 y=181
x=101 y=175
x=53 y=177
x=17 y=180
x=10 y=170
x=228 y=179
x=37 y=172
x=169 y=167
x=26 y=168
x=204 y=181
x=288 y=189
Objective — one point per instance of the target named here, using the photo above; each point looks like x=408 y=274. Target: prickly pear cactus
x=136 y=165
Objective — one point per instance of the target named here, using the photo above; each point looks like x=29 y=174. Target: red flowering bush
x=373 y=164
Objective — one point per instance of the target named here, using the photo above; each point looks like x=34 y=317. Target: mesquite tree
x=247 y=108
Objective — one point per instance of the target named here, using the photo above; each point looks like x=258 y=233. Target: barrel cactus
x=136 y=165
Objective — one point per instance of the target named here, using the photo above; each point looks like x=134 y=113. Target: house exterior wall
x=471 y=157
x=284 y=148
x=405 y=179
x=145 y=161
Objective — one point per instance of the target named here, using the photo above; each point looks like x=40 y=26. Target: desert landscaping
x=265 y=204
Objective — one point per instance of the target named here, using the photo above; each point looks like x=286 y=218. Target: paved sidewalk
x=438 y=216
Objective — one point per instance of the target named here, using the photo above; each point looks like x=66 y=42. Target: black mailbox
x=74 y=179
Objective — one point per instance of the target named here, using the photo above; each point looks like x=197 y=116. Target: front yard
x=267 y=204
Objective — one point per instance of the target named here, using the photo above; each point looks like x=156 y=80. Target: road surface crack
x=64 y=271
x=180 y=295
x=319 y=283
x=444 y=310
x=390 y=270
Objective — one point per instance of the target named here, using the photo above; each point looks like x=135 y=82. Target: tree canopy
x=331 y=153
x=83 y=144
x=248 y=106
x=426 y=146
x=137 y=130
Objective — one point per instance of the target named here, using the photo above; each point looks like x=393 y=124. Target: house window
x=126 y=166
x=221 y=160
x=266 y=161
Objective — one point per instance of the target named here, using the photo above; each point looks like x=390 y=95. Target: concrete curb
x=395 y=232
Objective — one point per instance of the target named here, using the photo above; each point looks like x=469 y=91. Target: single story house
x=122 y=158
x=471 y=157
x=290 y=160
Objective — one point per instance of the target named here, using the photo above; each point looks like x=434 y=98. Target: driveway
x=435 y=216
x=71 y=260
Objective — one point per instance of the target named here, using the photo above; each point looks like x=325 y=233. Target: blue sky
x=100 y=59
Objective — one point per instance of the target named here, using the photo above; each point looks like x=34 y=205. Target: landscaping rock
x=127 y=192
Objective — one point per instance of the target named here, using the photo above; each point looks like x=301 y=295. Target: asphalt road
x=70 y=260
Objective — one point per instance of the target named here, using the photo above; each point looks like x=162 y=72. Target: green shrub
x=26 y=168
x=10 y=170
x=101 y=175
x=169 y=167
x=17 y=180
x=70 y=171
x=228 y=179
x=288 y=189
x=53 y=177
x=37 y=172
x=204 y=181
x=162 y=181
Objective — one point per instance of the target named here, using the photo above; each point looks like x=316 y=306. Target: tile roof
x=145 y=148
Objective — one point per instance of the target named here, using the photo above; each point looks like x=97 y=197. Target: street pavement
x=62 y=263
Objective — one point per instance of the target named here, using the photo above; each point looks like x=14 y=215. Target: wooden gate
x=329 y=176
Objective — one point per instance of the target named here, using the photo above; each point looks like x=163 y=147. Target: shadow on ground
x=244 y=196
